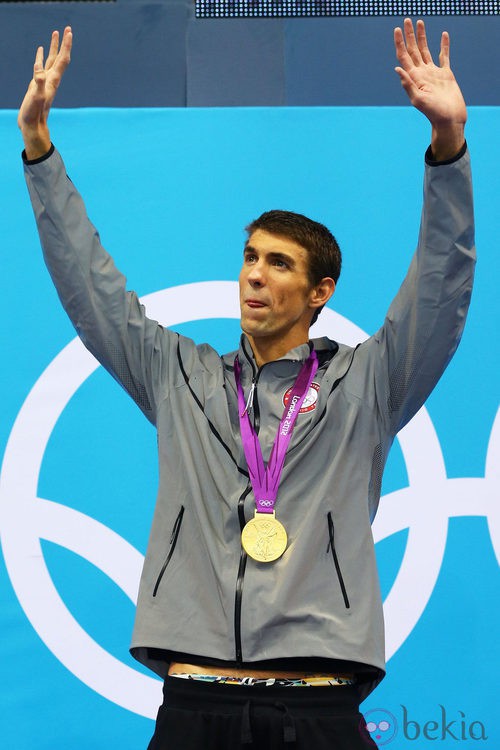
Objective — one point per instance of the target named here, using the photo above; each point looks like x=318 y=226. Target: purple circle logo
x=381 y=725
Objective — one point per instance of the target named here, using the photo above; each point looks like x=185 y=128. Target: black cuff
x=40 y=158
x=429 y=157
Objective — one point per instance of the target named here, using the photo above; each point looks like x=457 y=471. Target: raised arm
x=406 y=357
x=108 y=318
x=431 y=88
x=35 y=108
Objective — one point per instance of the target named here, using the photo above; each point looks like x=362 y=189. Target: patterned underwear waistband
x=322 y=681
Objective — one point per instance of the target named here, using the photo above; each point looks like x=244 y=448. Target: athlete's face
x=276 y=297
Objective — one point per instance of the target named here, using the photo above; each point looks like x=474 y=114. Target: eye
x=280 y=263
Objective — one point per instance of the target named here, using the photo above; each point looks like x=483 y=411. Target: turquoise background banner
x=170 y=191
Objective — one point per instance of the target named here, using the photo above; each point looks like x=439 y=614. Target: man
x=260 y=572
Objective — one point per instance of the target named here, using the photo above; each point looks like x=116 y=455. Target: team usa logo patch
x=310 y=400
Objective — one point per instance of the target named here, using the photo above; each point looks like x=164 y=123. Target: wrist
x=36 y=142
x=447 y=140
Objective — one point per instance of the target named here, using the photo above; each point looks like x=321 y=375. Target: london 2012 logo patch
x=310 y=400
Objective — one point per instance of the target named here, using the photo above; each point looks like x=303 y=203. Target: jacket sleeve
x=109 y=319
x=424 y=323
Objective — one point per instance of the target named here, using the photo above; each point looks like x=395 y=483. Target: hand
x=34 y=111
x=431 y=88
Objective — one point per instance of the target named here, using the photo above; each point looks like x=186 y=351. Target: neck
x=266 y=350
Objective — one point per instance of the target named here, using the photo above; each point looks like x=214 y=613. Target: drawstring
x=249 y=402
x=246 y=728
x=289 y=732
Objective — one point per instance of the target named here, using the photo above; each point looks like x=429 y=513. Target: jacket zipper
x=254 y=397
x=173 y=542
x=241 y=516
x=331 y=546
x=254 y=401
x=239 y=581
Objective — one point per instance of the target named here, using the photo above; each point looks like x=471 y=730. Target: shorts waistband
x=208 y=696
x=249 y=681
x=257 y=703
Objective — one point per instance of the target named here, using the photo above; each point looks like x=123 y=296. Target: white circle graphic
x=424 y=508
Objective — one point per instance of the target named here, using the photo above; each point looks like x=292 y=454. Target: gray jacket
x=201 y=598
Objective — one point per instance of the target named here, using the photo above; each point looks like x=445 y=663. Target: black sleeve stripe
x=212 y=427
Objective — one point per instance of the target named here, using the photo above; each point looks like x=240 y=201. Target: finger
x=401 y=51
x=406 y=80
x=33 y=101
x=38 y=60
x=411 y=42
x=38 y=70
x=411 y=88
x=54 y=47
x=67 y=41
x=64 y=56
x=444 y=54
x=422 y=42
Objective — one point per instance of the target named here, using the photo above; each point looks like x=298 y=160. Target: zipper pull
x=249 y=402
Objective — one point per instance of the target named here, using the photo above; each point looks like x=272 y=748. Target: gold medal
x=264 y=538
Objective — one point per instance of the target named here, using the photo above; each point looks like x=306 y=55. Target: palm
x=42 y=89
x=431 y=88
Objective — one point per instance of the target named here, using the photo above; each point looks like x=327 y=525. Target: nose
x=256 y=276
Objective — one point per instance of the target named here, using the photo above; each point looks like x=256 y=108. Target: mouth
x=255 y=304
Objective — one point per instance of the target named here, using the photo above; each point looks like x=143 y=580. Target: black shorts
x=209 y=716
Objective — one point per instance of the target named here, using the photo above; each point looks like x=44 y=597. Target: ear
x=321 y=293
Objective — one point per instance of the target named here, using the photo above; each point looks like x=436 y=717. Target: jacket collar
x=325 y=348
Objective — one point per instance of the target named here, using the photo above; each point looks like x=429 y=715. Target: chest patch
x=310 y=400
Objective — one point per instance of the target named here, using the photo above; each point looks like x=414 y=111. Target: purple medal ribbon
x=265 y=480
